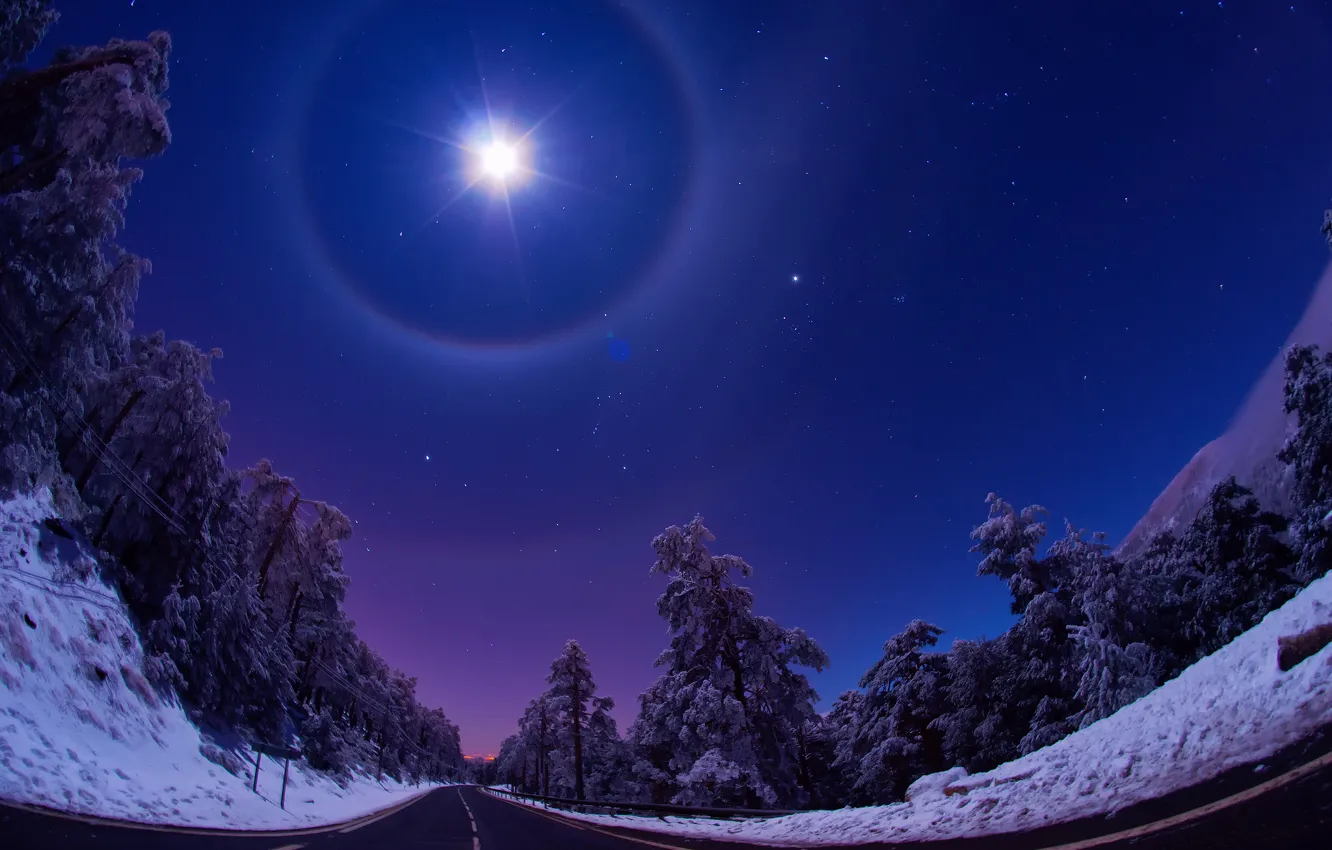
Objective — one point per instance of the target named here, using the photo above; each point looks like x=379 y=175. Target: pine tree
x=895 y=740
x=979 y=727
x=722 y=723
x=1239 y=568
x=1308 y=395
x=1114 y=662
x=66 y=290
x=539 y=733
x=571 y=680
x=1038 y=679
x=1008 y=540
x=23 y=23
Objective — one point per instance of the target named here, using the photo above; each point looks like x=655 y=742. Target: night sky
x=826 y=273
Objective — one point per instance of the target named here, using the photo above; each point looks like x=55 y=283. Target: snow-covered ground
x=1230 y=709
x=80 y=728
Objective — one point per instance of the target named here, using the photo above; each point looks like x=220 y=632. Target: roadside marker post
x=274 y=751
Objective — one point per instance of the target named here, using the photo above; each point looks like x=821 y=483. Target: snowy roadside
x=81 y=730
x=1230 y=709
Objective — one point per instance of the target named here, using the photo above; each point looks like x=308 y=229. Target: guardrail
x=660 y=810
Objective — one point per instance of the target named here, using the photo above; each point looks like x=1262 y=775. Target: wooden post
x=282 y=803
x=1296 y=648
x=257 y=757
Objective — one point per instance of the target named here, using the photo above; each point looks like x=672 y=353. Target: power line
x=89 y=437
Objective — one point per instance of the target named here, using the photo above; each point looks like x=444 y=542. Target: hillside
x=1247 y=449
x=81 y=729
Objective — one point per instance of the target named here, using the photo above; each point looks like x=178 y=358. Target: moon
x=499 y=161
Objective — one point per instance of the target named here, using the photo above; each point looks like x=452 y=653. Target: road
x=459 y=818
x=1295 y=815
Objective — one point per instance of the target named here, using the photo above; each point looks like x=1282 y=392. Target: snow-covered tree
x=66 y=290
x=1308 y=451
x=607 y=758
x=538 y=737
x=978 y=726
x=1115 y=664
x=1238 y=567
x=235 y=581
x=1113 y=675
x=895 y=740
x=1008 y=541
x=723 y=721
x=22 y=25
x=571 y=681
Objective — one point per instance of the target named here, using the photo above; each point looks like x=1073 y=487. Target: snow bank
x=80 y=728
x=1230 y=709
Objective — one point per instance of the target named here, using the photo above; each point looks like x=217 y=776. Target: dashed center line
x=476 y=840
x=289 y=847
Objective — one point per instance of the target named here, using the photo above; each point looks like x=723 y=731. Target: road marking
x=1202 y=811
x=569 y=822
x=289 y=847
x=379 y=817
x=476 y=840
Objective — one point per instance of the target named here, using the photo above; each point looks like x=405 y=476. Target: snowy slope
x=1248 y=448
x=1230 y=709
x=81 y=729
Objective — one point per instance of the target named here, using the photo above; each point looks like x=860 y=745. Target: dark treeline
x=234 y=578
x=731 y=720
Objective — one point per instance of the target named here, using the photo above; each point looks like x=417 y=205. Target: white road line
x=357 y=826
x=476 y=840
x=289 y=847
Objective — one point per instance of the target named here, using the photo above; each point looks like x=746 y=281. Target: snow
x=81 y=729
x=1232 y=708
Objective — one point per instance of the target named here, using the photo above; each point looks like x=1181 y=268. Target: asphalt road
x=1295 y=815
x=458 y=818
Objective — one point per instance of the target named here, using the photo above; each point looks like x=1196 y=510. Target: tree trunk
x=576 y=714
x=25 y=371
x=106 y=520
x=276 y=544
x=295 y=615
x=802 y=753
x=544 y=766
x=21 y=96
x=110 y=435
x=737 y=674
x=13 y=179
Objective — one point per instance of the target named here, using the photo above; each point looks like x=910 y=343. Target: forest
x=732 y=719
x=235 y=581
x=233 y=577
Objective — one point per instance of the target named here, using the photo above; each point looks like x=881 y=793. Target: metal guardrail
x=658 y=809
